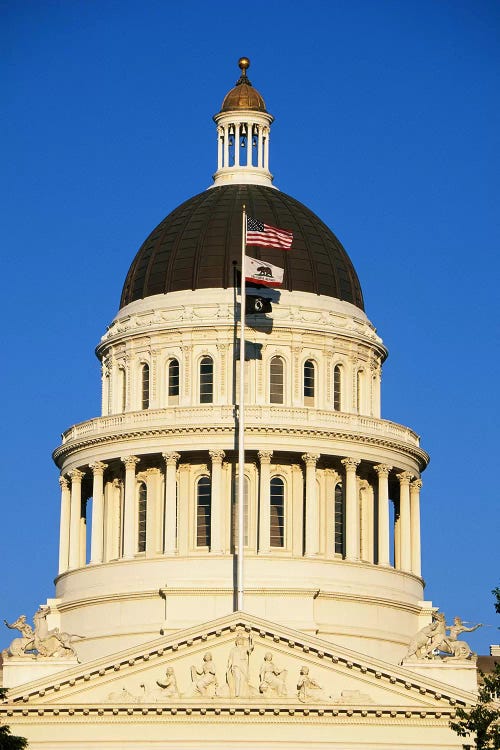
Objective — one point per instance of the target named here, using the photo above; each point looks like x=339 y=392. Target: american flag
x=264 y=235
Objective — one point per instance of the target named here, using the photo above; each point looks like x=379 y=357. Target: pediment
x=239 y=661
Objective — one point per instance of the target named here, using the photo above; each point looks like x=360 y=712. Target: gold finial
x=243 y=64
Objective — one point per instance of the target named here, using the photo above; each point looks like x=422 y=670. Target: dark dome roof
x=195 y=246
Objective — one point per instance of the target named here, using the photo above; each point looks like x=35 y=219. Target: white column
x=220 y=142
x=416 y=564
x=404 y=520
x=312 y=505
x=260 y=148
x=64 y=525
x=153 y=515
x=170 y=511
x=97 y=536
x=129 y=521
x=265 y=501
x=351 y=509
x=226 y=145
x=249 y=143
x=216 y=519
x=76 y=477
x=266 y=149
x=383 y=513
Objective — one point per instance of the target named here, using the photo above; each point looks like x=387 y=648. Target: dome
x=195 y=247
x=243 y=95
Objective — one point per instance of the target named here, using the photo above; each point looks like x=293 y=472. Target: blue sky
x=387 y=126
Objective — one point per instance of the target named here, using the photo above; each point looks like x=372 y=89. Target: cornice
x=70 y=448
x=400 y=715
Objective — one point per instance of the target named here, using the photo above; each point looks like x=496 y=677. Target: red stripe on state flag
x=265 y=235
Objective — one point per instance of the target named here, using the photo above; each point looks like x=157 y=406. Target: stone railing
x=255 y=416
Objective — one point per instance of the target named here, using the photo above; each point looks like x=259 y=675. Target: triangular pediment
x=239 y=661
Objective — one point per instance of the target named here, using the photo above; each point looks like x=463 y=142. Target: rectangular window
x=277 y=509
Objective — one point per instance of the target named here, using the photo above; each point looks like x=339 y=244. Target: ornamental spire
x=243 y=127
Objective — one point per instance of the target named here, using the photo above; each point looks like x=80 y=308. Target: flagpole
x=241 y=420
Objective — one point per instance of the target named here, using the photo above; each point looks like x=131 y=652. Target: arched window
x=145 y=386
x=173 y=381
x=203 y=511
x=236 y=511
x=309 y=385
x=142 y=508
x=339 y=516
x=359 y=390
x=206 y=380
x=276 y=380
x=121 y=389
x=337 y=388
x=277 y=521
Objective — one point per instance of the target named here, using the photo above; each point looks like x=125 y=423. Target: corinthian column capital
x=76 y=475
x=383 y=470
x=217 y=456
x=351 y=464
x=265 y=457
x=130 y=461
x=405 y=477
x=310 y=459
x=171 y=458
x=63 y=482
x=98 y=467
x=416 y=485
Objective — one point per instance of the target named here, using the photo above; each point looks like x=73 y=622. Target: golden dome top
x=243 y=95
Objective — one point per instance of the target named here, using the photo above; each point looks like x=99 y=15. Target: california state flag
x=260 y=272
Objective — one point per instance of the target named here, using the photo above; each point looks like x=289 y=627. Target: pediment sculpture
x=39 y=642
x=440 y=641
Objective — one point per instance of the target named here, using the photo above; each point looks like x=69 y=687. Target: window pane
x=277 y=536
x=203 y=508
x=309 y=382
x=145 y=386
x=206 y=380
x=276 y=381
x=359 y=390
x=236 y=511
x=339 y=520
x=141 y=525
x=122 y=388
x=337 y=386
x=173 y=378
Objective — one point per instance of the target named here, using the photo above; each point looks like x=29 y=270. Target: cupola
x=243 y=126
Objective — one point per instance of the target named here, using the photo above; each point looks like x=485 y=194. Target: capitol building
x=160 y=634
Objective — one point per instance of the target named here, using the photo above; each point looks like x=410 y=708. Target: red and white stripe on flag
x=265 y=235
x=260 y=272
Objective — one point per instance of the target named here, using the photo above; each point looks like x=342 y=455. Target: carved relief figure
x=272 y=678
x=169 y=684
x=204 y=679
x=238 y=667
x=307 y=687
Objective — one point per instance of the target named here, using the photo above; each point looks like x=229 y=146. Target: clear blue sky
x=387 y=126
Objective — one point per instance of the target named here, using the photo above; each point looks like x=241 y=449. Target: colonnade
x=240 y=136
x=367 y=529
